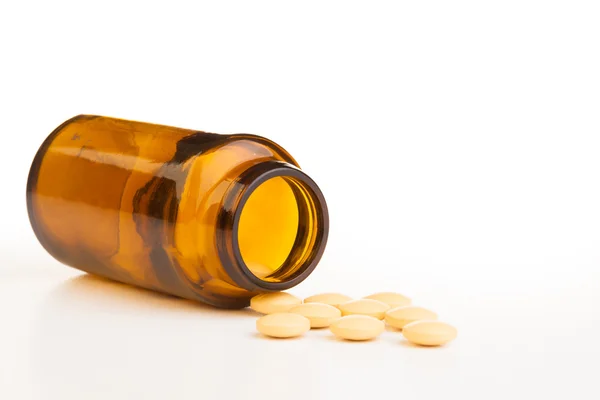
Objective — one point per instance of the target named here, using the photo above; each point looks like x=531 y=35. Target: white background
x=457 y=144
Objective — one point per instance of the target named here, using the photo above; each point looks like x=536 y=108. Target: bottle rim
x=311 y=237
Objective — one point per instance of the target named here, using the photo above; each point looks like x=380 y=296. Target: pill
x=429 y=333
x=333 y=299
x=372 y=308
x=400 y=316
x=282 y=325
x=357 y=327
x=320 y=315
x=391 y=299
x=269 y=303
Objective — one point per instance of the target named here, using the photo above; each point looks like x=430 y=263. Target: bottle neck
x=309 y=231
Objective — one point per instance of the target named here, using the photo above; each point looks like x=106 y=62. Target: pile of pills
x=288 y=316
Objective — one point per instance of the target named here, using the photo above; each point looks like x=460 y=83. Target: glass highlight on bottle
x=203 y=216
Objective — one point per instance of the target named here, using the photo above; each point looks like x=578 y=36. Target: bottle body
x=176 y=210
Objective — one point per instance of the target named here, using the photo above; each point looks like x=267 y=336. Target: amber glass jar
x=203 y=216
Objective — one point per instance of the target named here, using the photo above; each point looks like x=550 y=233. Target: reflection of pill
x=391 y=299
x=357 y=327
x=400 y=316
x=333 y=299
x=429 y=333
x=282 y=325
x=268 y=303
x=320 y=315
x=372 y=308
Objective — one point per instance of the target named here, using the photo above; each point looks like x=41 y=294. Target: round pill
x=357 y=327
x=391 y=299
x=333 y=299
x=269 y=303
x=320 y=315
x=429 y=333
x=372 y=308
x=400 y=316
x=282 y=325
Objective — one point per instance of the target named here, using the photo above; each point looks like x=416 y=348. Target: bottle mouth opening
x=273 y=227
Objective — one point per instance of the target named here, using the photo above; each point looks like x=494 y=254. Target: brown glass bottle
x=203 y=216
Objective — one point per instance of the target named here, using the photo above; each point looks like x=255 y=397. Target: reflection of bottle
x=208 y=217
